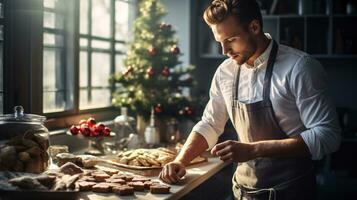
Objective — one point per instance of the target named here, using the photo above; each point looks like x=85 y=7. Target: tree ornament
x=150 y=71
x=165 y=26
x=152 y=51
x=158 y=109
x=165 y=72
x=175 y=50
x=188 y=111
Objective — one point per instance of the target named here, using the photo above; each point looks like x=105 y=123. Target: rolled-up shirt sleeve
x=215 y=115
x=317 y=112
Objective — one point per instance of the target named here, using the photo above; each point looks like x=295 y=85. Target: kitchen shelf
x=321 y=35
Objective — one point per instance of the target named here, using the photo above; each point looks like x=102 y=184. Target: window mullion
x=76 y=57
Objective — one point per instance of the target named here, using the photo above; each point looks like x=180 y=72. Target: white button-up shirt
x=298 y=93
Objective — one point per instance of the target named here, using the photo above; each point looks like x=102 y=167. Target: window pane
x=53 y=39
x=121 y=47
x=100 y=44
x=49 y=69
x=83 y=42
x=49 y=3
x=100 y=98
x=54 y=87
x=52 y=20
x=101 y=18
x=83 y=21
x=53 y=101
x=124 y=18
x=83 y=70
x=100 y=69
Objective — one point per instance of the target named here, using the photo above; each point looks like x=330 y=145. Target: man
x=276 y=98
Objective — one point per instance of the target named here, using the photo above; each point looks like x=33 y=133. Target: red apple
x=85 y=130
x=91 y=121
x=99 y=127
x=83 y=121
x=106 y=131
x=74 y=130
x=94 y=133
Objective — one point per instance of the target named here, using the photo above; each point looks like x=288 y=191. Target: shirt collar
x=265 y=55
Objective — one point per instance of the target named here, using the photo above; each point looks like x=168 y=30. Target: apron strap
x=269 y=71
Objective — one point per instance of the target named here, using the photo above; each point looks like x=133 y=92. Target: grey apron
x=268 y=177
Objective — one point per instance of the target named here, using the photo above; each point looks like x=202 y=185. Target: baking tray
x=141 y=170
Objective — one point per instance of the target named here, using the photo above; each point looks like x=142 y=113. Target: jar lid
x=20 y=116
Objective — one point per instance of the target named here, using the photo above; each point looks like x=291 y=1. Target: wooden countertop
x=196 y=174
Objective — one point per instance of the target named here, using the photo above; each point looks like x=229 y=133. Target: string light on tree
x=128 y=71
x=175 y=50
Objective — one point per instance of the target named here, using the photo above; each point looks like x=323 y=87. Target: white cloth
x=298 y=94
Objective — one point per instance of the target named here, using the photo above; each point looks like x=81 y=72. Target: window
x=58 y=81
x=96 y=44
x=1 y=56
x=104 y=27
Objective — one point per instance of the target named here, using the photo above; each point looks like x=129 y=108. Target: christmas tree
x=153 y=77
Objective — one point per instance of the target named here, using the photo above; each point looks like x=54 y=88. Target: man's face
x=237 y=42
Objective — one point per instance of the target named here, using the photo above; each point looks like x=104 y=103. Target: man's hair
x=244 y=11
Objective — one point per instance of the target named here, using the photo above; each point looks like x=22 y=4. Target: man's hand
x=172 y=172
x=233 y=151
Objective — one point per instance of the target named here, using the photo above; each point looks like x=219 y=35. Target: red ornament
x=175 y=50
x=150 y=71
x=165 y=72
x=165 y=26
x=188 y=111
x=128 y=71
x=158 y=109
x=152 y=51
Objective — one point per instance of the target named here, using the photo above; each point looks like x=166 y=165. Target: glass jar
x=24 y=142
x=172 y=132
x=124 y=125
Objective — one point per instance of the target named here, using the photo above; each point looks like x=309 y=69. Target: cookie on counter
x=138 y=186
x=85 y=185
x=147 y=184
x=100 y=176
x=140 y=179
x=123 y=190
x=101 y=187
x=160 y=189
